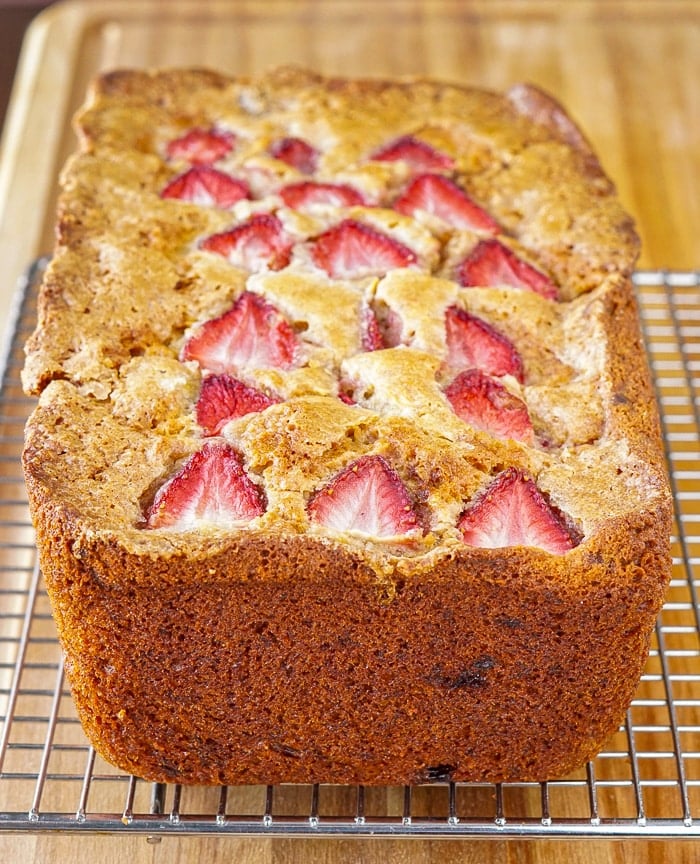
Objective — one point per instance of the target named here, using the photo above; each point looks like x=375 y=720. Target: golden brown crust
x=238 y=626
x=524 y=673
x=541 y=108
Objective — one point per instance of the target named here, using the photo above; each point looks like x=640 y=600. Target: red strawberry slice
x=485 y=403
x=351 y=250
x=252 y=334
x=208 y=187
x=223 y=398
x=442 y=197
x=253 y=245
x=491 y=263
x=368 y=496
x=372 y=339
x=202 y=146
x=472 y=342
x=391 y=327
x=299 y=196
x=297 y=153
x=513 y=512
x=212 y=487
x=419 y=155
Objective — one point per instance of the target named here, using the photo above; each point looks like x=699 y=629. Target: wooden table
x=628 y=70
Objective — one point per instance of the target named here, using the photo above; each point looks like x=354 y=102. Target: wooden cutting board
x=628 y=71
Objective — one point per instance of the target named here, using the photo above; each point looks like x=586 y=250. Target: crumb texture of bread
x=345 y=465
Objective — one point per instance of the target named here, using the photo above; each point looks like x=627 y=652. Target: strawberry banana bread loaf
x=345 y=466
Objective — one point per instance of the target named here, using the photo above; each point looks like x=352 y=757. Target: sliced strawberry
x=472 y=342
x=352 y=249
x=442 y=197
x=212 y=487
x=297 y=153
x=223 y=398
x=299 y=196
x=252 y=334
x=259 y=242
x=368 y=496
x=391 y=326
x=372 y=339
x=419 y=155
x=485 y=403
x=491 y=263
x=513 y=512
x=202 y=146
x=204 y=185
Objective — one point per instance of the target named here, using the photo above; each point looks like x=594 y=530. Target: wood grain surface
x=628 y=71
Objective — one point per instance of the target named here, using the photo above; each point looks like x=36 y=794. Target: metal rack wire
x=645 y=784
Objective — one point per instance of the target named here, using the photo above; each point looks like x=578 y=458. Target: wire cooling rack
x=645 y=784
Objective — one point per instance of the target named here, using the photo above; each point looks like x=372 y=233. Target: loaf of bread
x=345 y=465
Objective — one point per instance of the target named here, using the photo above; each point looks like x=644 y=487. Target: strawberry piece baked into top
x=345 y=424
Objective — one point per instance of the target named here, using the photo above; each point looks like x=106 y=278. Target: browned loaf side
x=281 y=648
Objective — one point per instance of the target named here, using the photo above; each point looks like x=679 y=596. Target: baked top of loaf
x=361 y=359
